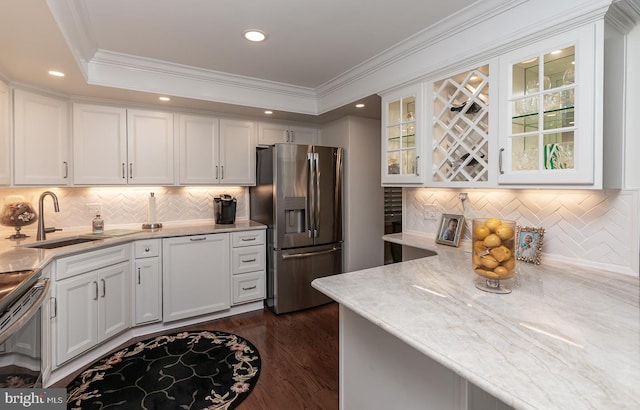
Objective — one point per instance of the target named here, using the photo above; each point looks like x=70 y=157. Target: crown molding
x=459 y=22
x=474 y=34
x=624 y=15
x=142 y=74
x=71 y=17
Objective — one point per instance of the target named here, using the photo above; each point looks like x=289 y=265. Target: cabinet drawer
x=147 y=248
x=248 y=287
x=247 y=238
x=248 y=259
x=88 y=261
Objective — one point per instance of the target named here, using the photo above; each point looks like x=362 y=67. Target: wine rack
x=461 y=127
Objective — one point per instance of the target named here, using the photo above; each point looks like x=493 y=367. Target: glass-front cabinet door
x=460 y=126
x=548 y=135
x=401 y=136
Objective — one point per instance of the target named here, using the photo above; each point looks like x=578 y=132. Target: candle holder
x=17 y=215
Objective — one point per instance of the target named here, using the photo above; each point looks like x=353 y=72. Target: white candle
x=151 y=210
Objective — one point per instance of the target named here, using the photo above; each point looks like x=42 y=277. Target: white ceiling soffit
x=79 y=22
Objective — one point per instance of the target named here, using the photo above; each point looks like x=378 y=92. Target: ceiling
x=310 y=44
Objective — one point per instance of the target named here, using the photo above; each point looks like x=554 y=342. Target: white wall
x=364 y=196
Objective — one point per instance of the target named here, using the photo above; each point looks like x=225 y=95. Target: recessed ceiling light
x=56 y=73
x=254 y=35
x=268 y=112
x=164 y=98
x=360 y=105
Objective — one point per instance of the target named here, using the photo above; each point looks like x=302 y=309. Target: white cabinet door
x=148 y=290
x=273 y=133
x=237 y=152
x=195 y=271
x=99 y=145
x=114 y=303
x=41 y=144
x=303 y=135
x=402 y=136
x=76 y=324
x=150 y=147
x=5 y=142
x=269 y=134
x=551 y=130
x=199 y=152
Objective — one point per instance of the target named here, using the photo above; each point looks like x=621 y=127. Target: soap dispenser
x=98 y=224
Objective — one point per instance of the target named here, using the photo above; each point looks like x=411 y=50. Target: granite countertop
x=566 y=337
x=14 y=256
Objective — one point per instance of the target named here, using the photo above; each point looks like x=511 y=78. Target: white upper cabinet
x=99 y=144
x=273 y=133
x=5 y=140
x=216 y=151
x=114 y=146
x=150 y=147
x=237 y=152
x=402 y=160
x=552 y=104
x=41 y=143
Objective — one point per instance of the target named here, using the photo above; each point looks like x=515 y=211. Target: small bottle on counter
x=98 y=224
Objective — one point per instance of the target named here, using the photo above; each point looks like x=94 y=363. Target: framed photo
x=529 y=245
x=450 y=229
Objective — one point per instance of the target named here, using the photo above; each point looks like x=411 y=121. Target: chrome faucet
x=42 y=231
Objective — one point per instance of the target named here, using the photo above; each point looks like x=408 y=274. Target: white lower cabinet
x=248 y=256
x=91 y=308
x=195 y=271
x=147 y=282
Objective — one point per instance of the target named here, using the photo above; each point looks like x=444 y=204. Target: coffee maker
x=225 y=207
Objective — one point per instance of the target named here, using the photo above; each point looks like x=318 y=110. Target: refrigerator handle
x=316 y=217
x=310 y=196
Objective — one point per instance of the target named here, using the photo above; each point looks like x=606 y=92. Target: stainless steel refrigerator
x=298 y=195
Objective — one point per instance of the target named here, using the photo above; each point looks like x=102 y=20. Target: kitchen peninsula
x=565 y=338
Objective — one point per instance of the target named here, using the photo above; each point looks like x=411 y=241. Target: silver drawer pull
x=203 y=238
x=248 y=239
x=252 y=287
x=248 y=260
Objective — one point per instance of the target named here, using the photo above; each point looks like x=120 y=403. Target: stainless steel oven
x=22 y=294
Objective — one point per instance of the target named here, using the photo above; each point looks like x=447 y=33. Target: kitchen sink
x=60 y=243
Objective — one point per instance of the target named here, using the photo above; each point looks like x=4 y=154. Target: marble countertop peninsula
x=16 y=256
x=566 y=337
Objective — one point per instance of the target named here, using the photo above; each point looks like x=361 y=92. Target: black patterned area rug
x=188 y=370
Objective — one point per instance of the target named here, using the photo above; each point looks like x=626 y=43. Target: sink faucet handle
x=52 y=229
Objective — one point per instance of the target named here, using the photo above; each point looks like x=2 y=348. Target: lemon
x=481 y=232
x=510 y=263
x=489 y=261
x=492 y=241
x=502 y=272
x=493 y=223
x=504 y=232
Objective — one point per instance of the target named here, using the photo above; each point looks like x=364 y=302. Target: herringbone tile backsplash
x=125 y=206
x=596 y=228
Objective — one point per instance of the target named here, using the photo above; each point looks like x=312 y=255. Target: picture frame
x=529 y=244
x=450 y=230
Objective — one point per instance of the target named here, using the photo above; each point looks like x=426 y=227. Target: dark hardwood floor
x=299 y=353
